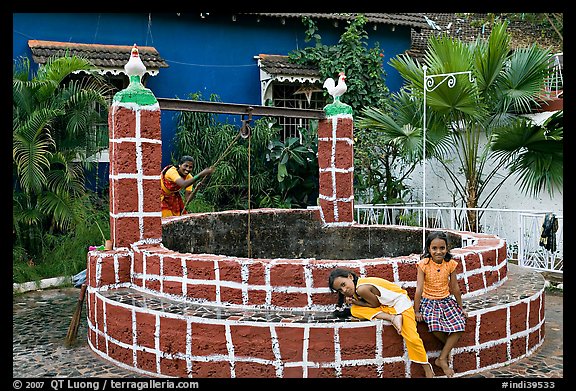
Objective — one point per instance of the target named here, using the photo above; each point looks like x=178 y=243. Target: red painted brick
x=123 y=123
x=256 y=273
x=493 y=325
x=325 y=184
x=124 y=159
x=328 y=210
x=200 y=269
x=108 y=275
x=493 y=355
x=126 y=231
x=293 y=372
x=230 y=270
x=208 y=340
x=382 y=270
x=119 y=323
x=406 y=271
x=472 y=261
x=324 y=153
x=152 y=264
x=517 y=347
x=173 y=367
x=360 y=371
x=172 y=288
x=461 y=362
x=231 y=295
x=345 y=128
x=252 y=342
x=172 y=266
x=146 y=361
x=254 y=370
x=358 y=344
x=534 y=316
x=469 y=336
x=256 y=296
x=145 y=328
x=346 y=211
x=211 y=369
x=476 y=282
x=150 y=124
x=196 y=291
x=292 y=299
x=325 y=128
x=321 y=344
x=172 y=335
x=394 y=343
x=344 y=184
x=395 y=369
x=152 y=284
x=344 y=155
x=120 y=353
x=489 y=257
x=290 y=342
x=287 y=275
x=518 y=314
x=534 y=339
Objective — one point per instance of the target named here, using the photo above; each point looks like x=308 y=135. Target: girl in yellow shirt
x=437 y=299
x=373 y=297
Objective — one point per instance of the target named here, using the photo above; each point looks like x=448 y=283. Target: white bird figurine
x=336 y=90
x=134 y=66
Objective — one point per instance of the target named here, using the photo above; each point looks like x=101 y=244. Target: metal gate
x=531 y=252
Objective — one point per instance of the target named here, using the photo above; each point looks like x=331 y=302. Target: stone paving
x=41 y=320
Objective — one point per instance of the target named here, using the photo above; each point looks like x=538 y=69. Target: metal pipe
x=233 y=108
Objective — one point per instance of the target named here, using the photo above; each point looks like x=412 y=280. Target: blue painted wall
x=210 y=55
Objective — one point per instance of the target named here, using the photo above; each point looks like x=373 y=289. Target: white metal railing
x=554 y=84
x=520 y=228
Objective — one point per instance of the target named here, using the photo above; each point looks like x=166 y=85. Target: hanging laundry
x=548 y=235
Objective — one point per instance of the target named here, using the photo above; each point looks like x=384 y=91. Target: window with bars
x=298 y=96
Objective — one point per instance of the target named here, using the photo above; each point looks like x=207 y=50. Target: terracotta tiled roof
x=414 y=20
x=108 y=57
x=280 y=65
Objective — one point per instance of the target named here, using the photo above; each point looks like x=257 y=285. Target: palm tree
x=53 y=130
x=507 y=84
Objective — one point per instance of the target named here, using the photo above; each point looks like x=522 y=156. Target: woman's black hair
x=341 y=312
x=436 y=235
x=186 y=158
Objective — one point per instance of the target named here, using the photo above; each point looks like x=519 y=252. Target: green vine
x=365 y=76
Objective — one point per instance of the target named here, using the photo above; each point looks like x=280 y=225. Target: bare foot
x=428 y=371
x=397 y=323
x=443 y=363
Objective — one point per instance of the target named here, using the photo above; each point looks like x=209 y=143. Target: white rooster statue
x=135 y=92
x=336 y=90
x=135 y=66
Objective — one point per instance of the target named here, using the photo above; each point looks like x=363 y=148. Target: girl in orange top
x=175 y=178
x=437 y=299
x=373 y=297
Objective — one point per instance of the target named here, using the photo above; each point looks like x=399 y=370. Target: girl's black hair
x=341 y=312
x=436 y=235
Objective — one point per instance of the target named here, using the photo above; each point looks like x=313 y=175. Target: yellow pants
x=414 y=344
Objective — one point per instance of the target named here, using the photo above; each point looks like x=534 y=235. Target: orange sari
x=172 y=203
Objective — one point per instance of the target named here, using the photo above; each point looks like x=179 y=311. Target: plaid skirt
x=442 y=314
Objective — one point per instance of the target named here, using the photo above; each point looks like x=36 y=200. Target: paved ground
x=41 y=320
